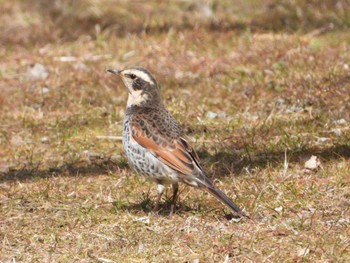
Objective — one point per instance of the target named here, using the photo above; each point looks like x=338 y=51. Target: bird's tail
x=210 y=188
x=225 y=200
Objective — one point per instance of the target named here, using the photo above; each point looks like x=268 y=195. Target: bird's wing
x=174 y=152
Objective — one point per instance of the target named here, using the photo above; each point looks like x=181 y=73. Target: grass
x=278 y=74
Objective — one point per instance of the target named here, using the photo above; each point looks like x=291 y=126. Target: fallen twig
x=99 y=259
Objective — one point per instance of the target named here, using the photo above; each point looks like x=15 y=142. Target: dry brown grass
x=280 y=74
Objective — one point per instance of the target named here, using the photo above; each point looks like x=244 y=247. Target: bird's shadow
x=146 y=205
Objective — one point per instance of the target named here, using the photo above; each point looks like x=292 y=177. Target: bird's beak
x=114 y=71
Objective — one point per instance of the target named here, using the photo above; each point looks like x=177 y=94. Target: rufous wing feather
x=174 y=154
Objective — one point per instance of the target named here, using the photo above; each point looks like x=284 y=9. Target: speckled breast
x=142 y=161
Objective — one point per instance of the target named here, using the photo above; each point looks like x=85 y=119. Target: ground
x=259 y=87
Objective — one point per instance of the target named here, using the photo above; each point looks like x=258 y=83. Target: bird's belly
x=146 y=164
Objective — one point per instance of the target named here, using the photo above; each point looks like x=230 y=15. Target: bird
x=155 y=144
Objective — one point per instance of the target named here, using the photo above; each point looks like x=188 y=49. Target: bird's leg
x=173 y=201
x=160 y=188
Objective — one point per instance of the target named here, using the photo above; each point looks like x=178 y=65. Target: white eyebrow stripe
x=140 y=74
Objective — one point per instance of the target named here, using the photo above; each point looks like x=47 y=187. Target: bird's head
x=142 y=87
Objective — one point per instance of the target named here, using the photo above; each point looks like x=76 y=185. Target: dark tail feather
x=204 y=182
x=225 y=200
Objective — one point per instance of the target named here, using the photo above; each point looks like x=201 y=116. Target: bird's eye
x=132 y=76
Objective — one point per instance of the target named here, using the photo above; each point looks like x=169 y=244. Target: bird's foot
x=155 y=211
x=172 y=210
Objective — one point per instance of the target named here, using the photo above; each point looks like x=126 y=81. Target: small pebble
x=340 y=122
x=45 y=90
x=302 y=252
x=211 y=115
x=313 y=163
x=44 y=139
x=279 y=209
x=38 y=71
x=337 y=132
x=322 y=140
x=214 y=115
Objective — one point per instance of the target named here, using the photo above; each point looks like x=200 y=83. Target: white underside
x=164 y=173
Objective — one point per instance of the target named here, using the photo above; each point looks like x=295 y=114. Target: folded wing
x=174 y=152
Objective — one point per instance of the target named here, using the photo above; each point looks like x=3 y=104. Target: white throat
x=136 y=98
